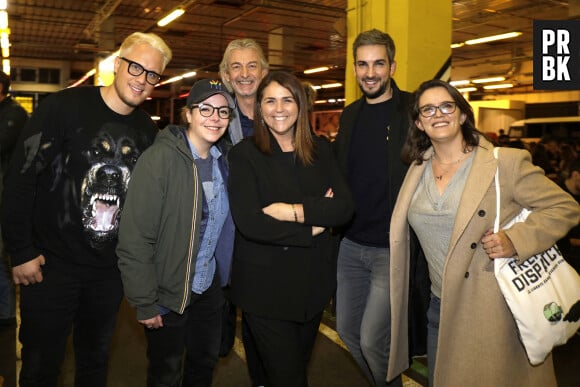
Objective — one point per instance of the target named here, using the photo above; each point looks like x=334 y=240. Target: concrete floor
x=331 y=365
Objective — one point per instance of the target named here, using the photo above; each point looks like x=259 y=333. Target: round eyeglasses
x=444 y=108
x=135 y=69
x=207 y=110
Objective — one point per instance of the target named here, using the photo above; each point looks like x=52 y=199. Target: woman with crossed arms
x=286 y=192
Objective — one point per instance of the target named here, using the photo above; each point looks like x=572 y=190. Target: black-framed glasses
x=207 y=110
x=444 y=108
x=135 y=69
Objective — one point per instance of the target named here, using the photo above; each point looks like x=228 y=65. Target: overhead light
x=3 y=4
x=330 y=100
x=6 y=66
x=467 y=89
x=4 y=41
x=327 y=86
x=4 y=32
x=460 y=83
x=3 y=20
x=177 y=78
x=189 y=74
x=457 y=45
x=488 y=80
x=500 y=86
x=177 y=12
x=316 y=70
x=493 y=38
x=170 y=80
x=331 y=85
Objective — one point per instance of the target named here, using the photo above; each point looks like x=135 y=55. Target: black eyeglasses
x=135 y=69
x=444 y=108
x=207 y=110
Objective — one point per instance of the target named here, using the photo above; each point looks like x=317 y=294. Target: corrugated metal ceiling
x=75 y=31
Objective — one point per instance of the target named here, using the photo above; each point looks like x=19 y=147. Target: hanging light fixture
x=316 y=70
x=500 y=86
x=493 y=38
x=4 y=37
x=488 y=80
x=177 y=12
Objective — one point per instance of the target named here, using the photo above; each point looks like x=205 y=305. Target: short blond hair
x=150 y=39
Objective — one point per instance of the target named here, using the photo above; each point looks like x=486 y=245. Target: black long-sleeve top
x=280 y=270
x=67 y=179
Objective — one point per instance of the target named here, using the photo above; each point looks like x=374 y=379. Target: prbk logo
x=557 y=54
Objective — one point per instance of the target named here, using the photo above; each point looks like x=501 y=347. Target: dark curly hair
x=417 y=140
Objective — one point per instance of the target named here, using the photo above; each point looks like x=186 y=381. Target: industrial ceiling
x=76 y=31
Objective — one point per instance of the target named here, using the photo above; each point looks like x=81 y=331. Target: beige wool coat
x=478 y=342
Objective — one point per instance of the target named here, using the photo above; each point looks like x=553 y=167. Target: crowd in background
x=560 y=160
x=554 y=155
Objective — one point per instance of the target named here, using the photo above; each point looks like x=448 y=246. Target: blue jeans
x=363 y=309
x=198 y=330
x=85 y=303
x=432 y=334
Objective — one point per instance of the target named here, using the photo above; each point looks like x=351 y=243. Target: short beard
x=380 y=91
x=127 y=102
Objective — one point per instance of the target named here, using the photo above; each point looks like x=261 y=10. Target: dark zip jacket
x=159 y=232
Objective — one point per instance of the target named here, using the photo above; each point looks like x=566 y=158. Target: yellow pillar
x=421 y=30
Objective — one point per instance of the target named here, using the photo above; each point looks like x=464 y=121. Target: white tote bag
x=542 y=292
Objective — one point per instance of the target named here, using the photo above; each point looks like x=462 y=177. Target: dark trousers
x=255 y=366
x=8 y=353
x=284 y=348
x=87 y=305
x=198 y=330
x=7 y=323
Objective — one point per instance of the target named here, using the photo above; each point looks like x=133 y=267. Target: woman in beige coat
x=448 y=198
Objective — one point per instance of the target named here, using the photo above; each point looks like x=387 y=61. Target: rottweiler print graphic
x=111 y=156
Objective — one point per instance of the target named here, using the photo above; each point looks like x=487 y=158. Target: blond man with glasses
x=63 y=199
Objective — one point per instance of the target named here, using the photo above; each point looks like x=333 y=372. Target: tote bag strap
x=497 y=193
